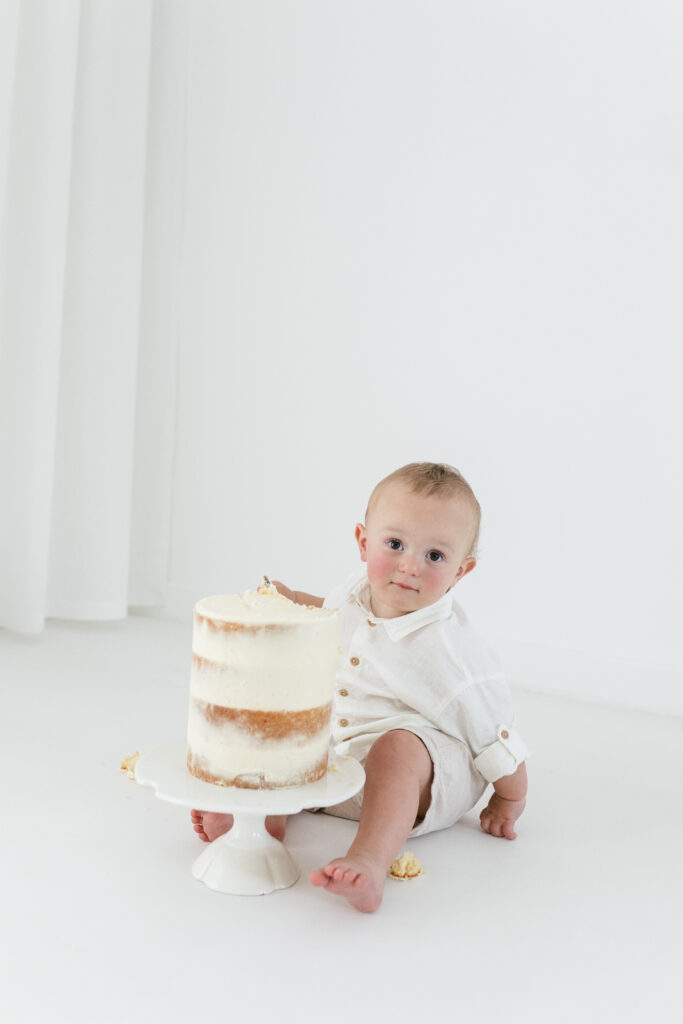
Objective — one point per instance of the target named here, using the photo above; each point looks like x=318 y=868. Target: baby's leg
x=398 y=777
x=210 y=826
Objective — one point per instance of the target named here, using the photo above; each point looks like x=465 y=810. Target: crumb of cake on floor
x=406 y=866
x=128 y=764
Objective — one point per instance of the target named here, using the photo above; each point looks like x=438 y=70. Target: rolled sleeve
x=503 y=757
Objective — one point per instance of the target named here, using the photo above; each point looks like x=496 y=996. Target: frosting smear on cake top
x=262 y=605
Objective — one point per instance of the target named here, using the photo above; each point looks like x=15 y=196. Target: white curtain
x=92 y=98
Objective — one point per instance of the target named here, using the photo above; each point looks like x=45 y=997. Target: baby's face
x=415 y=547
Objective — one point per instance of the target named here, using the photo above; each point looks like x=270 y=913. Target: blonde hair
x=436 y=478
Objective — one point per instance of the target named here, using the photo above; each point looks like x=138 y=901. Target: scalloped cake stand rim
x=246 y=861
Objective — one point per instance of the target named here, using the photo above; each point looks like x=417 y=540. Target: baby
x=421 y=701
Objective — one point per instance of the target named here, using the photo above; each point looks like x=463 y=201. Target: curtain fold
x=91 y=228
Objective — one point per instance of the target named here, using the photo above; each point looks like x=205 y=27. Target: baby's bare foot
x=210 y=826
x=276 y=825
x=359 y=880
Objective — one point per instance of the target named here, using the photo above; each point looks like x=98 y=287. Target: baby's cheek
x=437 y=584
x=379 y=566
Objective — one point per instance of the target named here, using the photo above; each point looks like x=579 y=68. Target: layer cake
x=261 y=690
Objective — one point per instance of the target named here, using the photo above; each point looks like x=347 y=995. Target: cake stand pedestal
x=247 y=860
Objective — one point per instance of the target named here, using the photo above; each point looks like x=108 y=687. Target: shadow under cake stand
x=247 y=860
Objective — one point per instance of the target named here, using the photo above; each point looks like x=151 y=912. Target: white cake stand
x=247 y=860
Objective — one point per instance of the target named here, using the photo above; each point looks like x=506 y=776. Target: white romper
x=430 y=673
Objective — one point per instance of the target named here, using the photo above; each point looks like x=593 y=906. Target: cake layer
x=268 y=725
x=307 y=641
x=256 y=780
x=275 y=749
x=287 y=671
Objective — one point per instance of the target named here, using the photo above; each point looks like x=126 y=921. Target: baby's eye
x=394 y=544
x=434 y=556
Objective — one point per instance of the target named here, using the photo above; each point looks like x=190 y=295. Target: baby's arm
x=506 y=805
x=298 y=596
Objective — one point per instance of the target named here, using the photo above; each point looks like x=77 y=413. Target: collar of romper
x=403 y=625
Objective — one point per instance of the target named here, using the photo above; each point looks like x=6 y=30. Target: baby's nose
x=409 y=565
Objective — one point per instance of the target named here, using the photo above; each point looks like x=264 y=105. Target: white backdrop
x=451 y=232
x=368 y=233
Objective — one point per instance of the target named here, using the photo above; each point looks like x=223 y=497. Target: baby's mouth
x=404 y=586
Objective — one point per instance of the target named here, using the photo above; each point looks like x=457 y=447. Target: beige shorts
x=456 y=787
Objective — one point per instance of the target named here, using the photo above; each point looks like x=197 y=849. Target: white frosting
x=285 y=669
x=260 y=651
x=258 y=606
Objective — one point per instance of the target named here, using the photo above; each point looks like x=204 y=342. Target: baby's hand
x=285 y=591
x=499 y=817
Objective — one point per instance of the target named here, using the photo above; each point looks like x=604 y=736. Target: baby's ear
x=465 y=567
x=362 y=541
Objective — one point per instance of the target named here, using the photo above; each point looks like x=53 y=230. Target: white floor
x=579 y=919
